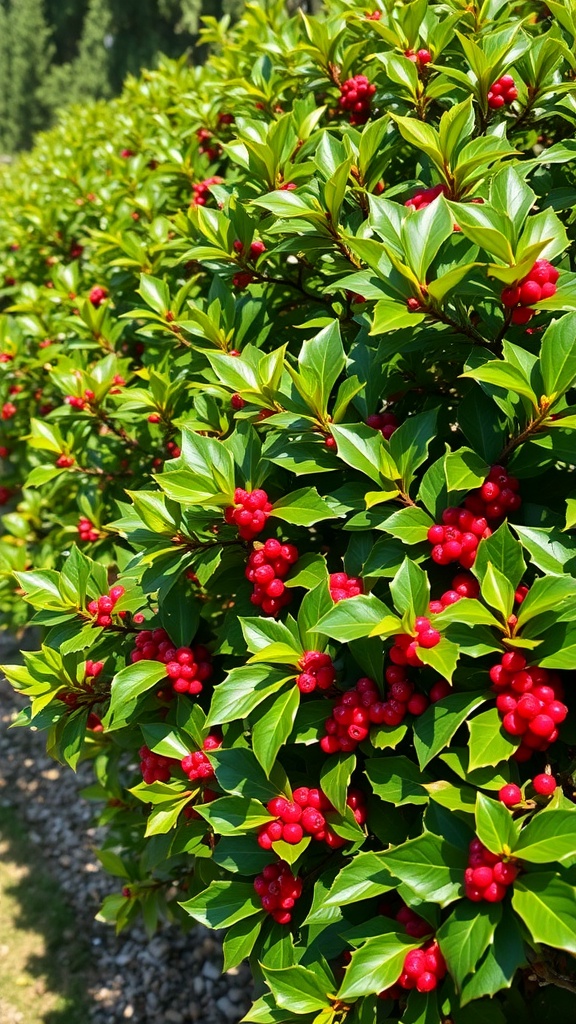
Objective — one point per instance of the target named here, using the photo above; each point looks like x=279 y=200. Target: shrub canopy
x=287 y=362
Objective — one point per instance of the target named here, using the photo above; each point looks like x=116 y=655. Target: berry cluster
x=352 y=716
x=420 y=57
x=80 y=401
x=187 y=668
x=97 y=295
x=487 y=876
x=539 y=283
x=255 y=249
x=204 y=135
x=423 y=968
x=405 y=649
x=278 y=890
x=343 y=586
x=242 y=279
x=103 y=607
x=87 y=530
x=356 y=801
x=543 y=785
x=299 y=817
x=401 y=697
x=201 y=190
x=529 y=701
x=497 y=497
x=385 y=422
x=502 y=91
x=249 y=512
x=463 y=585
x=93 y=668
x=457 y=537
x=65 y=461
x=196 y=765
x=356 y=96
x=155 y=768
x=266 y=569
x=421 y=199
x=9 y=410
x=317 y=672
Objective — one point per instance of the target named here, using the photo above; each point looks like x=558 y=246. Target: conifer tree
x=30 y=55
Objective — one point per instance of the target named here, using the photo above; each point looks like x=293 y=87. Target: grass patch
x=42 y=959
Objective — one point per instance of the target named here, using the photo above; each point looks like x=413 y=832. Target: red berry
x=544 y=785
x=510 y=795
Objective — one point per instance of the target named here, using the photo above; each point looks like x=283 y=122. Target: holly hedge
x=287 y=353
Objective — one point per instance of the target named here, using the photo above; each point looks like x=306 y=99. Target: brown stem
x=466 y=329
x=532 y=427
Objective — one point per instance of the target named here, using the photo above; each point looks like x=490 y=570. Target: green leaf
x=443 y=657
x=155 y=293
x=239 y=941
x=489 y=743
x=435 y=728
x=410 y=525
x=558 y=356
x=273 y=727
x=262 y=633
x=465 y=936
x=239 y=773
x=501 y=961
x=231 y=814
x=505 y=554
x=397 y=780
x=127 y=685
x=430 y=867
x=243 y=690
x=548 y=593
x=366 y=875
x=464 y=470
x=303 y=508
x=223 y=904
x=335 y=779
x=546 y=905
x=376 y=965
x=362 y=448
x=548 y=837
x=548 y=548
x=353 y=617
x=504 y=375
x=495 y=826
x=409 y=443
x=497 y=591
x=410 y=590
x=321 y=362
x=297 y=989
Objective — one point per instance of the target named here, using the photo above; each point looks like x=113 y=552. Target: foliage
x=55 y=53
x=214 y=286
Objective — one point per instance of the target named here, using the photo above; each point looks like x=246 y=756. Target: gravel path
x=170 y=979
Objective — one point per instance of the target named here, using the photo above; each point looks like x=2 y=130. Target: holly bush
x=288 y=349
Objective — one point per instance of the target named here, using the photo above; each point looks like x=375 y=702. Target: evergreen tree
x=30 y=55
x=88 y=76
x=56 y=52
x=4 y=80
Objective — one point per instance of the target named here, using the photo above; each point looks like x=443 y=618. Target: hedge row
x=287 y=357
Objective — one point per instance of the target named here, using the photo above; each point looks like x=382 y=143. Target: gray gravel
x=169 y=979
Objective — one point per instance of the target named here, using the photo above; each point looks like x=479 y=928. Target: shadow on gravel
x=43 y=955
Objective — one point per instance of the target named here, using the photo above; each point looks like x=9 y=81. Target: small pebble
x=169 y=979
